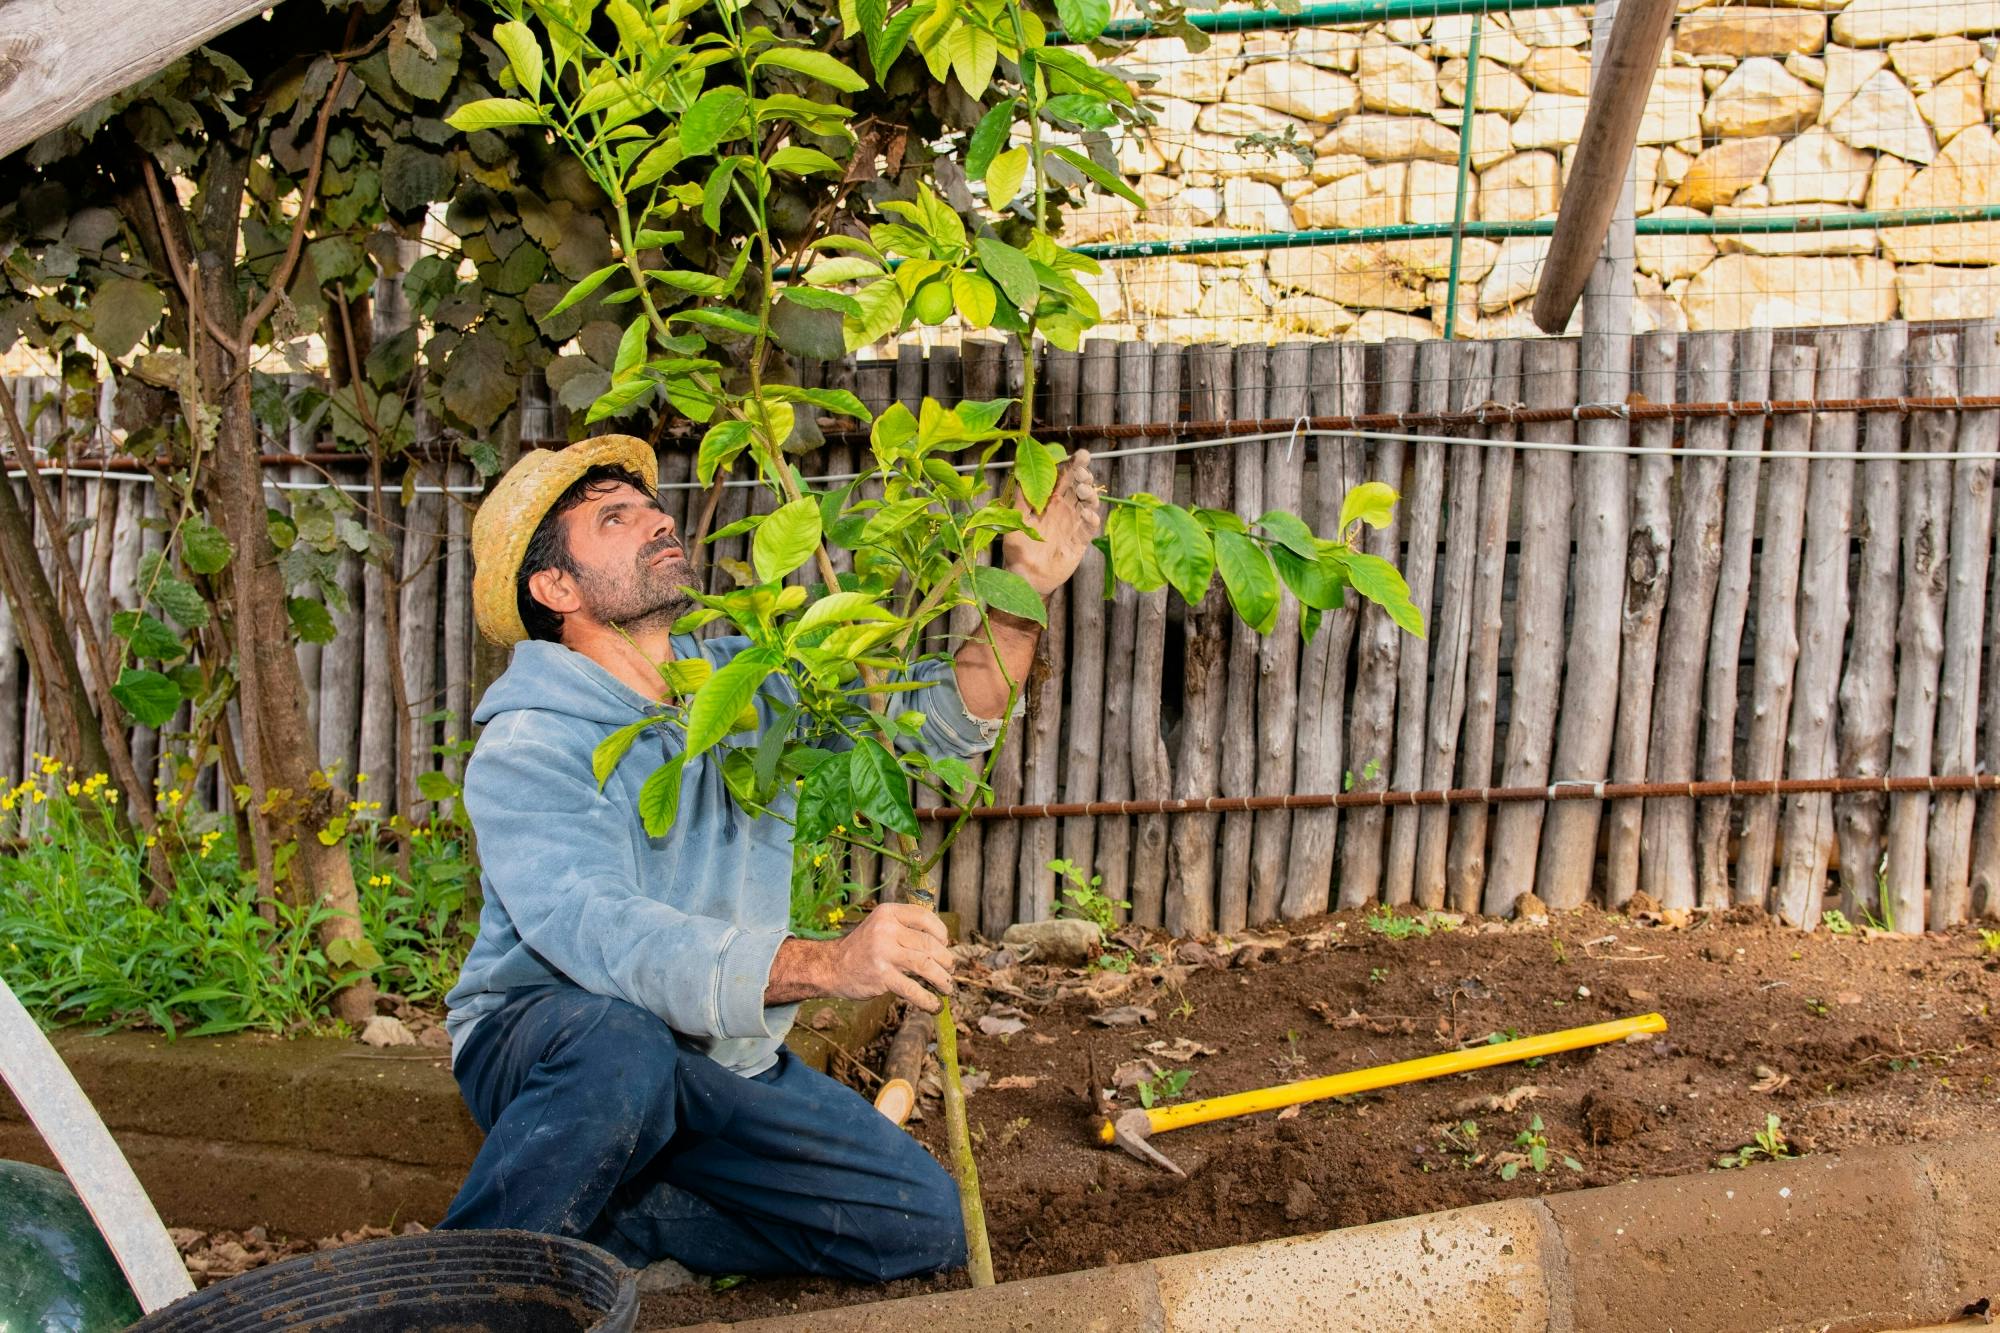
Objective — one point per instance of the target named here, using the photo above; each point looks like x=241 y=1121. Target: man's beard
x=646 y=595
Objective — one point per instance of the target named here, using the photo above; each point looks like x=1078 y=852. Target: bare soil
x=1848 y=1039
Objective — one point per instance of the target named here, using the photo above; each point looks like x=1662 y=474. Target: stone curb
x=1865 y=1240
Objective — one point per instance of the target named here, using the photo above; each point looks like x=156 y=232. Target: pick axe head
x=1133 y=1131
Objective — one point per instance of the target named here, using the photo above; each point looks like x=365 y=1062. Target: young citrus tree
x=763 y=208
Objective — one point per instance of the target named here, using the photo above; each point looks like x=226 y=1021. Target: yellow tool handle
x=1383 y=1076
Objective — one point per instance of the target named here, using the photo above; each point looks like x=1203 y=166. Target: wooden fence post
x=1091 y=715
x=1868 y=682
x=1777 y=638
x=1466 y=867
x=1278 y=651
x=1339 y=389
x=1920 y=635
x=1239 y=697
x=1648 y=567
x=1964 y=630
x=1152 y=770
x=1548 y=373
x=1805 y=838
x=1451 y=633
x=1725 y=633
x=1042 y=755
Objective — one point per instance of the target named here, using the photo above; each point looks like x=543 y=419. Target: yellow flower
x=74 y=789
x=354 y=807
x=173 y=798
x=819 y=860
x=39 y=795
x=51 y=765
x=836 y=916
x=840 y=828
x=152 y=841
x=360 y=778
x=7 y=801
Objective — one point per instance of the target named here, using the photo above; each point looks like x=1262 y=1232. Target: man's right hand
x=897 y=949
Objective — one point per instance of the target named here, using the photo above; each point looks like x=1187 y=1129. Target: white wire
x=1291 y=436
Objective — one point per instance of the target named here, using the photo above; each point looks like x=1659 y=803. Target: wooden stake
x=1420 y=513
x=1278 y=651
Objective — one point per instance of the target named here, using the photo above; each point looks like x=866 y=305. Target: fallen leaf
x=1180 y=1048
x=1124 y=1016
x=1508 y=1102
x=1134 y=1072
x=1013 y=1082
x=1769 y=1079
x=1289 y=1113
x=975 y=1081
x=1000 y=1027
x=1043 y=1038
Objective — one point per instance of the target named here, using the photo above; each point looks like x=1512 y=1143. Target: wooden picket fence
x=1593 y=614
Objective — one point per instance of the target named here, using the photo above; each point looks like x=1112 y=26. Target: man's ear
x=556 y=590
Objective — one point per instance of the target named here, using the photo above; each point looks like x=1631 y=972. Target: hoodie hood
x=549 y=678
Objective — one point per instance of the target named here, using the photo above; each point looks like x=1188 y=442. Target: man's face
x=631 y=570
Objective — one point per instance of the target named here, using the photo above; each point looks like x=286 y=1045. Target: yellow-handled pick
x=1131 y=1130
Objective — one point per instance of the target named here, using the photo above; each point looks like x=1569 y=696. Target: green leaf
x=203 y=546
x=1317 y=583
x=660 y=797
x=716 y=707
x=150 y=638
x=310 y=619
x=437 y=787
x=812 y=298
x=1012 y=270
x=1035 y=469
x=524 y=55
x=715 y=116
x=492 y=113
x=1372 y=502
x=826 y=799
x=719 y=448
x=582 y=290
x=148 y=697
x=1081 y=109
x=1252 y=583
x=618 y=399
x=1382 y=583
x=180 y=601
x=990 y=137
x=1133 y=559
x=720 y=317
x=1004 y=590
x=814 y=65
x=973 y=53
x=881 y=791
x=786 y=539
x=353 y=953
x=1083 y=20
x=1105 y=181
x=610 y=751
x=803 y=162
x=842 y=608
x=631 y=348
x=975 y=298
x=123 y=311
x=842 y=268
x=1290 y=531
x=1187 y=555
x=881 y=314
x=716 y=192
x=828 y=400
x=1004 y=177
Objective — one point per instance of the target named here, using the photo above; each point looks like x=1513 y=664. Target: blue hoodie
x=684 y=926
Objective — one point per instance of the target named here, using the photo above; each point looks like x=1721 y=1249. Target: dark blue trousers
x=602 y=1124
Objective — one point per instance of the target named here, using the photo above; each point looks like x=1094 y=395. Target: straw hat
x=510 y=513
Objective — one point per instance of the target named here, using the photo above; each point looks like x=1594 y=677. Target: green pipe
x=1314 y=16
x=1646 y=226
x=1471 y=95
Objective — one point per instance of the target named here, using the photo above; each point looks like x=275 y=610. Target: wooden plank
x=1421 y=516
x=1451 y=634
x=1933 y=362
x=1985 y=874
x=422 y=636
x=1191 y=897
x=1278 y=651
x=983 y=859
x=1600 y=516
x=1152 y=769
x=1548 y=379
x=1964 y=631
x=1094 y=714
x=1239 y=706
x=340 y=674
x=299 y=440
x=1465 y=871
x=1042 y=728
x=1338 y=389
x=1648 y=562
x=1378 y=646
x=1777 y=638
x=1666 y=854
x=1725 y=633
x=1805 y=824
x=1109 y=840
x=377 y=754
x=145 y=740
x=457 y=613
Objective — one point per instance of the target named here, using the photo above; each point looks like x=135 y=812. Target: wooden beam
x=1622 y=76
x=58 y=57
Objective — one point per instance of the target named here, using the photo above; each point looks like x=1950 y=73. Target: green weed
x=1770 y=1144
x=1083 y=898
x=1164 y=1087
x=1384 y=921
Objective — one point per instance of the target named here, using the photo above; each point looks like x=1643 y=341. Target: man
x=618 y=1028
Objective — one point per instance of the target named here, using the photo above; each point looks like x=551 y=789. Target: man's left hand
x=1073 y=517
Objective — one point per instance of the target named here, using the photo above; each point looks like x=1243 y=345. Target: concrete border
x=1877 y=1238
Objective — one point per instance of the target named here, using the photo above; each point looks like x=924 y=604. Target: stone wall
x=1799 y=109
